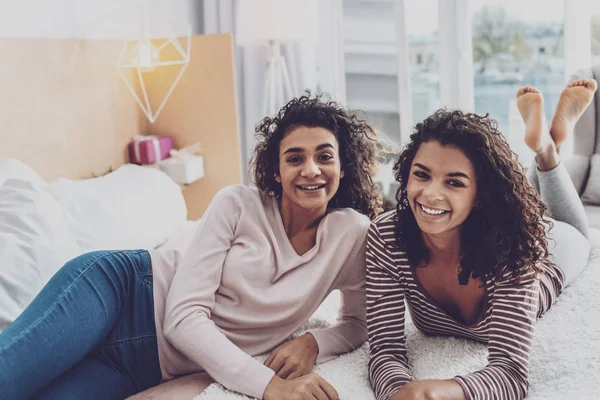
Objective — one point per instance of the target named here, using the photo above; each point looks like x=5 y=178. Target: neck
x=296 y=219
x=444 y=246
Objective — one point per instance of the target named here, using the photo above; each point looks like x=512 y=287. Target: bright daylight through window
x=513 y=42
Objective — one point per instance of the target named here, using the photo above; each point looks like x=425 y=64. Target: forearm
x=494 y=382
x=388 y=375
x=342 y=337
x=201 y=341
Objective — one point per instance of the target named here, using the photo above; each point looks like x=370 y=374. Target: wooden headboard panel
x=65 y=111
x=203 y=108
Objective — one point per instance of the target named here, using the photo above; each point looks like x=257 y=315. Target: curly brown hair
x=358 y=150
x=505 y=231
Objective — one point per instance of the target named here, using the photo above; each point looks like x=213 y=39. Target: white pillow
x=130 y=208
x=15 y=169
x=34 y=243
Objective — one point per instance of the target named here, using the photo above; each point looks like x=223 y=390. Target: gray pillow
x=591 y=195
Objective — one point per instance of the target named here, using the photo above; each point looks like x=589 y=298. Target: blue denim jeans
x=89 y=334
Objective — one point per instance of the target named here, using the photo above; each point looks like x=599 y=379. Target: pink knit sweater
x=240 y=289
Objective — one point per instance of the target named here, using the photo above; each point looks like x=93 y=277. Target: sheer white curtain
x=219 y=17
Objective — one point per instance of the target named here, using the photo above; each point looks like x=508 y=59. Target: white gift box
x=184 y=168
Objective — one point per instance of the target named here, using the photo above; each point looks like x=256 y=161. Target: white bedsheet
x=43 y=225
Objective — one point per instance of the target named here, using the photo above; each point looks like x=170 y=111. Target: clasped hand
x=293 y=362
x=295 y=358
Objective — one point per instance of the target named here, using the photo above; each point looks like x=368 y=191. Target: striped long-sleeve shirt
x=506 y=324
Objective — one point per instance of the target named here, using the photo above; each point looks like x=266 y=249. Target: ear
x=341 y=174
x=277 y=178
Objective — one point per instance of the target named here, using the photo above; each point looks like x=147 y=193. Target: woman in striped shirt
x=470 y=249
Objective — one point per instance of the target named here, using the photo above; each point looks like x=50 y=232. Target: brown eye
x=455 y=183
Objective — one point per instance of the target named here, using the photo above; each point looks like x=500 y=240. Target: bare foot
x=574 y=99
x=531 y=106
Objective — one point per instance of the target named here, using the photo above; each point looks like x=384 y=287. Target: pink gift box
x=149 y=149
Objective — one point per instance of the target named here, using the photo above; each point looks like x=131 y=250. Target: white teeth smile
x=311 y=187
x=431 y=210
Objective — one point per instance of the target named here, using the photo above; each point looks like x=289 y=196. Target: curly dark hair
x=504 y=231
x=358 y=150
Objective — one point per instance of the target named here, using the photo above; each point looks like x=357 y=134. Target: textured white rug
x=565 y=363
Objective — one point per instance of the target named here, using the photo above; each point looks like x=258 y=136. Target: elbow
x=362 y=336
x=519 y=384
x=523 y=387
x=170 y=329
x=176 y=326
x=360 y=333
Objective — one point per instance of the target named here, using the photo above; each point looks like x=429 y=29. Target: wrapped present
x=150 y=149
x=184 y=166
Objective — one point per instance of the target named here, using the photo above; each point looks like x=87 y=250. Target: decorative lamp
x=148 y=41
x=272 y=23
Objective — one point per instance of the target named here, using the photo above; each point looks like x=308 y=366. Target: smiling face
x=441 y=189
x=309 y=168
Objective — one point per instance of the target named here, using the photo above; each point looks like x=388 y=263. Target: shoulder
x=350 y=221
x=384 y=226
x=236 y=199
x=385 y=219
x=238 y=193
x=509 y=277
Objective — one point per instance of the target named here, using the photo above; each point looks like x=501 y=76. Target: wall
x=69 y=18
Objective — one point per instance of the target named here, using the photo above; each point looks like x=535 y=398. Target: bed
x=71 y=119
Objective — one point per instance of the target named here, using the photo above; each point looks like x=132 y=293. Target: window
x=370 y=41
x=371 y=70
x=517 y=43
x=370 y=62
x=513 y=43
x=423 y=42
x=595 y=18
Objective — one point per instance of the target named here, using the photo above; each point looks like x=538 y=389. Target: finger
x=270 y=358
x=285 y=371
x=319 y=394
x=295 y=374
x=277 y=363
x=332 y=394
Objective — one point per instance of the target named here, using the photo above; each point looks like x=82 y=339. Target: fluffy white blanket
x=565 y=363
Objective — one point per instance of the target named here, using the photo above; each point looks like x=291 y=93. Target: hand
x=307 y=387
x=430 y=389
x=413 y=390
x=294 y=358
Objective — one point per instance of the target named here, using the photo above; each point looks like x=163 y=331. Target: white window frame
x=330 y=50
x=404 y=75
x=456 y=73
x=578 y=36
x=456 y=55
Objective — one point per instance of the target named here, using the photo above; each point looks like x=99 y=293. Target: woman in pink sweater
x=110 y=324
